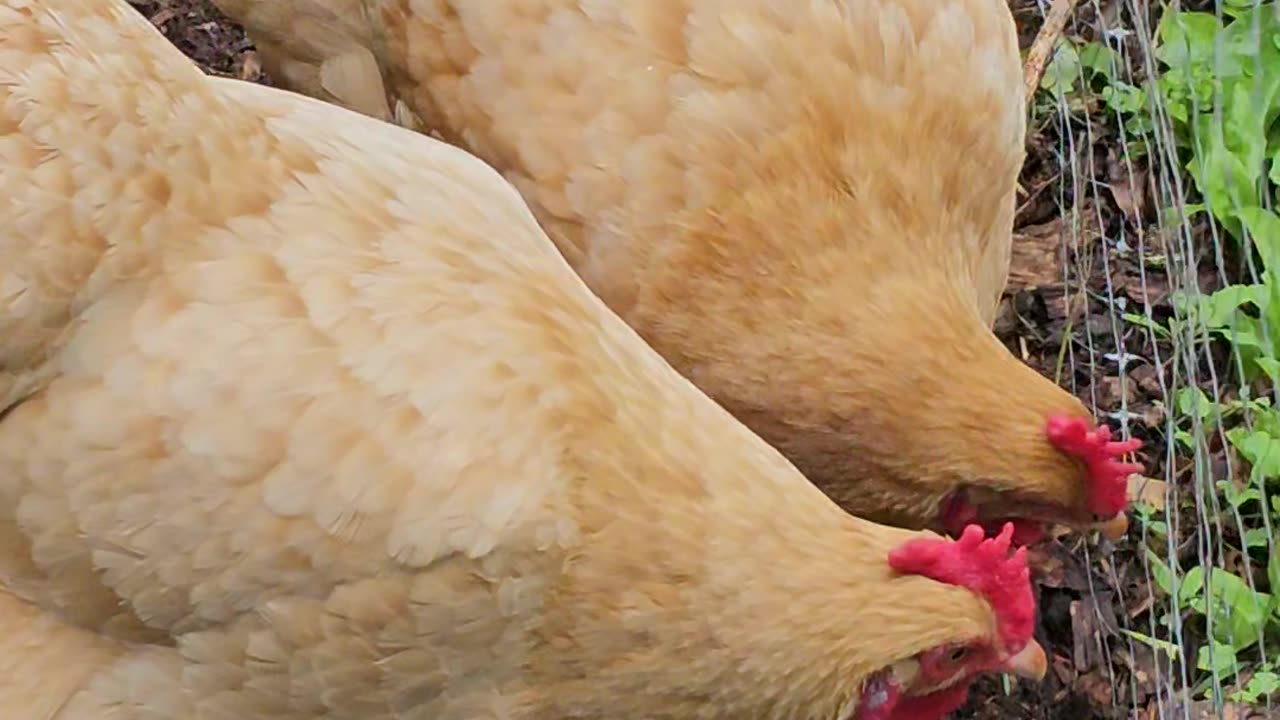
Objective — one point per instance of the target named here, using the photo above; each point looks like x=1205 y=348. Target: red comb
x=983 y=566
x=1108 y=476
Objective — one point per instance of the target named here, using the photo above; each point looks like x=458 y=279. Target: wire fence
x=1161 y=116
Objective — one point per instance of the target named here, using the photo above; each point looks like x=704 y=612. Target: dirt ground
x=1095 y=671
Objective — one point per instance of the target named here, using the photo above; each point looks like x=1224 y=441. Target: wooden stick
x=1042 y=48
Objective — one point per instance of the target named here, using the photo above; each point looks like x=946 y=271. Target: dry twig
x=1042 y=48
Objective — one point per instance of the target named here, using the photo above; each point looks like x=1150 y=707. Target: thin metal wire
x=1191 y=364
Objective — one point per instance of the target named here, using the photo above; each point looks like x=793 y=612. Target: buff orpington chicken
x=806 y=207
x=305 y=418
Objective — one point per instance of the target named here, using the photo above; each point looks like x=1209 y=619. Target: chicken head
x=942 y=675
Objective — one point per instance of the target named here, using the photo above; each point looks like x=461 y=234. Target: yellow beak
x=1030 y=662
x=1116 y=527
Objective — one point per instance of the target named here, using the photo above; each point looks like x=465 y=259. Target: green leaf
x=1239 y=613
x=1173 y=217
x=1173 y=651
x=1223 y=661
x=1237 y=497
x=1099 y=60
x=1273 y=566
x=1256 y=538
x=1062 y=71
x=1270 y=366
x=1260 y=448
x=1263 y=684
x=1192 y=402
x=1176 y=94
x=1247 y=338
x=1186 y=39
x=1235 y=8
x=1191 y=586
x=1187 y=439
x=1244 y=128
x=1226 y=180
x=1265 y=418
x=1221 y=309
x=1160 y=573
x=1252 y=38
x=1124 y=98
x=1159 y=330
x=1264 y=227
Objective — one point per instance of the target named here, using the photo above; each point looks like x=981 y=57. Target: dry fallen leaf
x=1083 y=635
x=1128 y=191
x=1204 y=710
x=1148 y=491
x=161 y=18
x=1146 y=287
x=251 y=66
x=1037 y=257
x=1096 y=686
x=1036 y=261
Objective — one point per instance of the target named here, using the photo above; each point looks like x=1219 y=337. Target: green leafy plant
x=1221 y=89
x=1218 y=89
x=1075 y=67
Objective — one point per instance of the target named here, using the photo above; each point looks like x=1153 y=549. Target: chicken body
x=805 y=207
x=304 y=417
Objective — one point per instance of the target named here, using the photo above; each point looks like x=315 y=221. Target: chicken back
x=805 y=207
x=306 y=418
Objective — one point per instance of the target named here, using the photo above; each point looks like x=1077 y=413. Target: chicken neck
x=725 y=580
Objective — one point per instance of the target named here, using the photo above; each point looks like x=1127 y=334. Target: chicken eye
x=958 y=654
